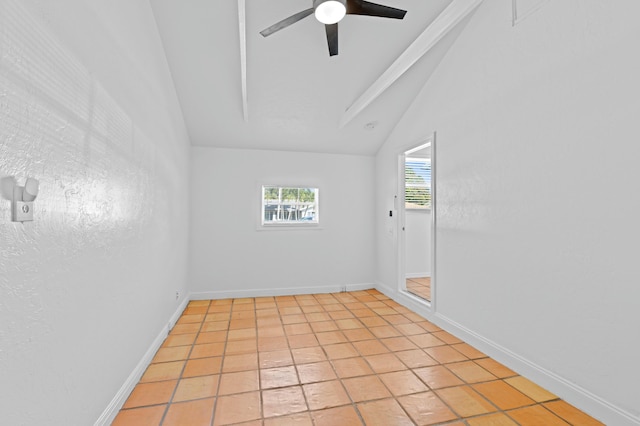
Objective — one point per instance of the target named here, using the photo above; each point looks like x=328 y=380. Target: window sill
x=291 y=227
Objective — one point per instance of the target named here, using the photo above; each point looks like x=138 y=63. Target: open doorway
x=417 y=219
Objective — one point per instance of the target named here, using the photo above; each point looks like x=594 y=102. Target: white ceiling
x=296 y=93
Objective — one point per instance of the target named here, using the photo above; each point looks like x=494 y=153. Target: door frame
x=401 y=222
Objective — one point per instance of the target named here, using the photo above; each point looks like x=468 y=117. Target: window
x=417 y=183
x=285 y=205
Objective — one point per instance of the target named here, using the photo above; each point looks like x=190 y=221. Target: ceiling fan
x=330 y=12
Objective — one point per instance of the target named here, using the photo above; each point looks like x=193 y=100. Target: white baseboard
x=110 y=413
x=409 y=275
x=286 y=291
x=570 y=392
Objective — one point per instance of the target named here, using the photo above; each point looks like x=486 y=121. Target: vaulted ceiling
x=292 y=95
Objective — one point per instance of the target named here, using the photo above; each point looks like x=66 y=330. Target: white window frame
x=290 y=224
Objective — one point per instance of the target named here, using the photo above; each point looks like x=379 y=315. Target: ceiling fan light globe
x=330 y=11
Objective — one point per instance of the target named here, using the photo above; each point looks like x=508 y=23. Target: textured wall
x=88 y=108
x=537 y=194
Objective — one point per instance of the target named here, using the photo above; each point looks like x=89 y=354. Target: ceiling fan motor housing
x=328 y=11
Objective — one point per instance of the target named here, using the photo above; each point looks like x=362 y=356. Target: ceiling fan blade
x=286 y=22
x=332 y=38
x=361 y=7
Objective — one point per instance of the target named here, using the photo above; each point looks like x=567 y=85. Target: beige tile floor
x=329 y=360
x=421 y=287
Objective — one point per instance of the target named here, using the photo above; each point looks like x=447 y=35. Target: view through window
x=285 y=205
x=417 y=177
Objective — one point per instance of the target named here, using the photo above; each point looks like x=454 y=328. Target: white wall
x=418 y=243
x=87 y=107
x=537 y=196
x=230 y=256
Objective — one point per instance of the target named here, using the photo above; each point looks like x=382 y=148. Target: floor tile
x=274 y=359
x=316 y=372
x=384 y=412
x=202 y=367
x=302 y=341
x=426 y=340
x=349 y=324
x=196 y=387
x=171 y=354
x=207 y=350
x=242 y=334
x=495 y=368
x=269 y=344
x=187 y=319
x=351 y=367
x=346 y=415
x=179 y=340
x=237 y=408
x=403 y=383
x=240 y=382
x=468 y=351
x=374 y=321
x=211 y=337
x=530 y=389
x=293 y=319
x=331 y=337
x=303 y=328
x=385 y=363
x=384 y=331
x=437 y=377
x=536 y=415
x=185 y=329
x=445 y=354
x=470 y=372
x=448 y=338
x=306 y=355
x=503 y=395
x=409 y=329
x=243 y=362
x=464 y=401
x=162 y=371
x=215 y=326
x=192 y=413
x=340 y=351
x=365 y=388
x=300 y=419
x=416 y=358
x=397 y=344
x=283 y=401
x=151 y=394
x=497 y=419
x=146 y=416
x=325 y=395
x=358 y=334
x=241 y=347
x=370 y=347
x=426 y=408
x=278 y=377
x=571 y=414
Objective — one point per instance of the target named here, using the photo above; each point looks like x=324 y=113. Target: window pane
x=289 y=205
x=417 y=183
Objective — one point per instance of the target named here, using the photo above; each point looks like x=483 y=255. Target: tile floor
x=341 y=359
x=421 y=287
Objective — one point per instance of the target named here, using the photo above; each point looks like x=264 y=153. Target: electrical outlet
x=177 y=295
